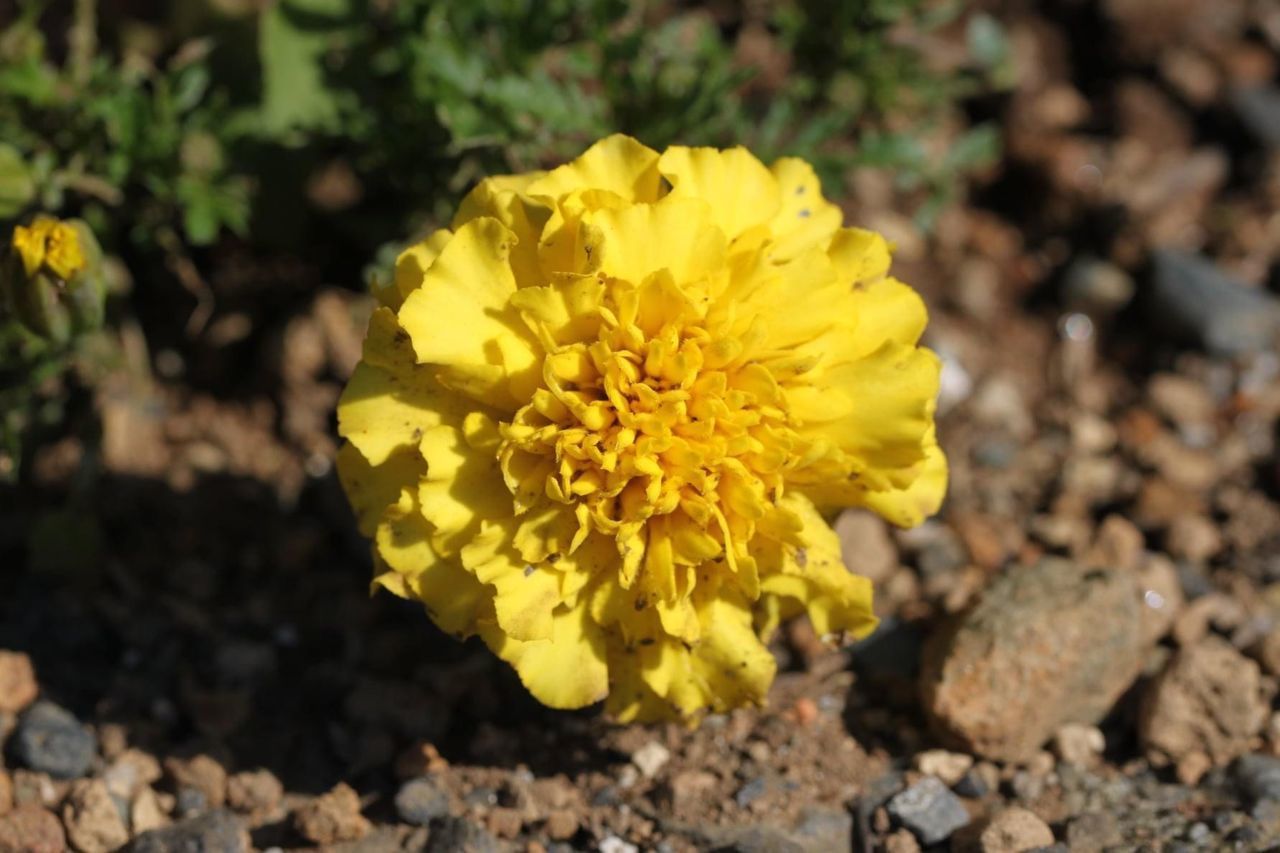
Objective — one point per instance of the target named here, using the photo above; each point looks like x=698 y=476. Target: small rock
x=331 y=817
x=254 y=792
x=32 y=829
x=215 y=832
x=1193 y=301
x=130 y=771
x=866 y=545
x=1093 y=831
x=420 y=801
x=750 y=792
x=950 y=767
x=614 y=844
x=1207 y=700
x=1259 y=110
x=93 y=823
x=459 y=835
x=201 y=773
x=1194 y=538
x=651 y=758
x=1258 y=777
x=822 y=829
x=562 y=825
x=1162 y=596
x=901 y=841
x=1118 y=544
x=146 y=813
x=1096 y=287
x=930 y=810
x=1079 y=745
x=1063 y=642
x=6 y=792
x=1267 y=652
x=1012 y=830
x=504 y=822
x=690 y=785
x=18 y=687
x=51 y=740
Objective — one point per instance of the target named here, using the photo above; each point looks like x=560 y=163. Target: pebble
x=18 y=686
x=750 y=792
x=901 y=841
x=1093 y=831
x=1096 y=287
x=562 y=824
x=93 y=822
x=146 y=813
x=199 y=773
x=950 y=767
x=455 y=834
x=331 y=817
x=1206 y=701
x=930 y=810
x=1079 y=744
x=254 y=792
x=866 y=545
x=32 y=829
x=1195 y=302
x=215 y=832
x=420 y=801
x=1012 y=830
x=650 y=758
x=1258 y=777
x=1063 y=642
x=822 y=829
x=51 y=740
x=129 y=771
x=1259 y=110
x=614 y=844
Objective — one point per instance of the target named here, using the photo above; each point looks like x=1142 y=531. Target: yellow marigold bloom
x=598 y=422
x=50 y=244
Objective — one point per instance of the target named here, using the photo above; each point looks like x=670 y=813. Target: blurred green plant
x=322 y=128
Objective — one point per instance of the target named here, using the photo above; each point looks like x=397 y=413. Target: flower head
x=51 y=278
x=598 y=422
x=50 y=244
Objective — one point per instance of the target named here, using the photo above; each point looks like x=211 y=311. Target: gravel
x=930 y=810
x=49 y=739
x=420 y=801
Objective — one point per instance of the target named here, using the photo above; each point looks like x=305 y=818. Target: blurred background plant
x=192 y=135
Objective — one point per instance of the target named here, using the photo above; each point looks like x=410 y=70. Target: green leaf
x=17 y=186
x=293 y=39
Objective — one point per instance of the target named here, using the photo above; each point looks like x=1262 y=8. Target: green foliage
x=213 y=121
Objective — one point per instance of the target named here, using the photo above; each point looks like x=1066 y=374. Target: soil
x=202 y=606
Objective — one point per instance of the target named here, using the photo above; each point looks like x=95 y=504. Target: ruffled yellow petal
x=390 y=401
x=807 y=569
x=675 y=234
x=371 y=489
x=909 y=506
x=461 y=488
x=805 y=220
x=412 y=265
x=460 y=318
x=742 y=193
x=566 y=671
x=617 y=164
x=504 y=199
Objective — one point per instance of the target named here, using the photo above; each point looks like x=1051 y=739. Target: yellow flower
x=598 y=422
x=50 y=244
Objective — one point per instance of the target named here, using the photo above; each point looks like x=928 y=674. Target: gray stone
x=51 y=740
x=459 y=835
x=1195 y=302
x=930 y=810
x=420 y=801
x=750 y=792
x=823 y=829
x=1259 y=110
x=1096 y=286
x=215 y=832
x=1258 y=777
x=1093 y=831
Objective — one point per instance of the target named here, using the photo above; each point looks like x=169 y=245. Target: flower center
x=659 y=421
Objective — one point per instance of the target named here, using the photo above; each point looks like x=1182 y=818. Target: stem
x=83 y=40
